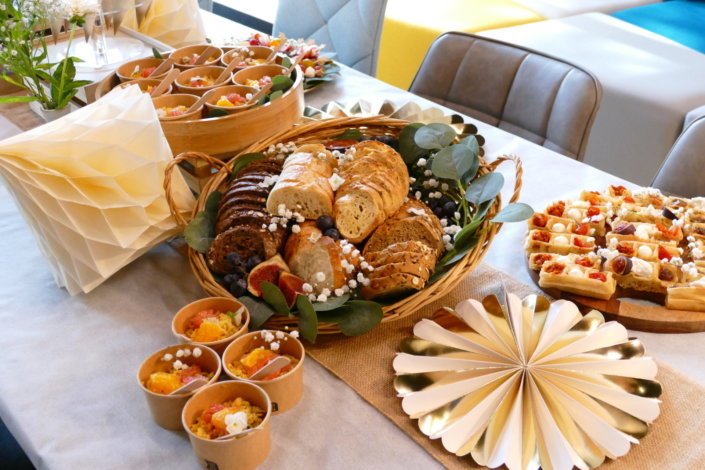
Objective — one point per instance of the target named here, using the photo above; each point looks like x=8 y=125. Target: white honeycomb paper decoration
x=90 y=186
x=527 y=384
x=177 y=23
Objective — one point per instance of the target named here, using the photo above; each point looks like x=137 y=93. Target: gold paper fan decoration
x=527 y=384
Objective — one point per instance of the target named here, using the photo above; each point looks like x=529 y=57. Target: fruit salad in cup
x=210 y=325
x=142 y=72
x=229 y=417
x=232 y=99
x=177 y=372
x=259 y=83
x=257 y=358
x=171 y=111
x=200 y=82
x=191 y=59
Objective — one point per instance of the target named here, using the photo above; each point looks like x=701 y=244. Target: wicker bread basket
x=321 y=131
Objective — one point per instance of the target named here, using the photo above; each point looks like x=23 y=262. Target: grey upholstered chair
x=540 y=98
x=683 y=170
x=350 y=28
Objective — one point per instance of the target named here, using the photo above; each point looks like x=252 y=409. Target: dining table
x=69 y=391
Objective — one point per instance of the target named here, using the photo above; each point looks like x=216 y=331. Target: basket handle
x=214 y=162
x=519 y=172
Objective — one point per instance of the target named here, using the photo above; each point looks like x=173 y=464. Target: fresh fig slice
x=624 y=229
x=265 y=271
x=291 y=286
x=668 y=214
x=621 y=265
x=666 y=274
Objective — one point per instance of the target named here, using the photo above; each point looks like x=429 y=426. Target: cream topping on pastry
x=641 y=268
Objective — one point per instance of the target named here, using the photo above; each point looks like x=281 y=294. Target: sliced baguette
x=309 y=253
x=358 y=211
x=394 y=284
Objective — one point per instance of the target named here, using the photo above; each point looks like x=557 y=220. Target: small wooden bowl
x=145 y=83
x=244 y=452
x=259 y=52
x=284 y=391
x=211 y=71
x=124 y=72
x=226 y=90
x=179 y=54
x=256 y=72
x=172 y=101
x=166 y=409
x=221 y=304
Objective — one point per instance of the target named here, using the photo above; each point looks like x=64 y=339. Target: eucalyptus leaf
x=275 y=95
x=281 y=83
x=467 y=232
x=308 y=320
x=485 y=188
x=515 y=212
x=274 y=297
x=471 y=143
x=434 y=136
x=215 y=112
x=362 y=316
x=243 y=160
x=463 y=159
x=350 y=134
x=200 y=231
x=331 y=304
x=260 y=312
x=443 y=165
x=408 y=149
x=286 y=62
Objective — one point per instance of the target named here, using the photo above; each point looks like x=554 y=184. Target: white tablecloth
x=649 y=84
x=68 y=386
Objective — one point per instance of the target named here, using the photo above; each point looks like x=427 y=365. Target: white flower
x=421 y=162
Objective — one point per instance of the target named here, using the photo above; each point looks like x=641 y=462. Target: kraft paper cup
x=256 y=72
x=210 y=71
x=125 y=70
x=221 y=304
x=172 y=101
x=145 y=83
x=180 y=53
x=166 y=409
x=238 y=453
x=284 y=391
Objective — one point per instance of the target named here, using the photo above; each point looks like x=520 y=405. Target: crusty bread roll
x=309 y=253
x=303 y=184
x=376 y=182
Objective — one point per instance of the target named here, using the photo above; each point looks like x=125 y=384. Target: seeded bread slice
x=247 y=241
x=403 y=267
x=242 y=217
x=409 y=228
x=394 y=284
x=358 y=210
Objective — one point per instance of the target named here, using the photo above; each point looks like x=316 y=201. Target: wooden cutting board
x=635 y=310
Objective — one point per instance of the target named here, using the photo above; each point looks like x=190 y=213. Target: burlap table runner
x=365 y=364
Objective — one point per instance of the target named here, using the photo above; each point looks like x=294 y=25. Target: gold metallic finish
x=538 y=394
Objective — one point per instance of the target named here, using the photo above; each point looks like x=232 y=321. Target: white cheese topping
x=575 y=272
x=560 y=240
x=558 y=227
x=644 y=252
x=641 y=268
x=574 y=214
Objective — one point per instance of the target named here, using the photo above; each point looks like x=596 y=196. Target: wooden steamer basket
x=321 y=131
x=223 y=136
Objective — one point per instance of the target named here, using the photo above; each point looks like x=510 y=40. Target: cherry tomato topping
x=625 y=248
x=581 y=229
x=542 y=258
x=593 y=211
x=540 y=220
x=599 y=276
x=554 y=268
x=541 y=236
x=208 y=414
x=581 y=244
x=664 y=254
x=557 y=209
x=584 y=261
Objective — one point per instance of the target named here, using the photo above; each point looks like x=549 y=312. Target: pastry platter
x=637 y=256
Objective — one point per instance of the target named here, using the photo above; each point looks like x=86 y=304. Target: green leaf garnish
x=243 y=160
x=276 y=94
x=443 y=165
x=200 y=231
x=331 y=304
x=434 y=136
x=308 y=320
x=281 y=83
x=350 y=134
x=216 y=112
x=515 y=212
x=274 y=297
x=286 y=62
x=260 y=312
x=408 y=149
x=156 y=53
x=360 y=316
x=484 y=188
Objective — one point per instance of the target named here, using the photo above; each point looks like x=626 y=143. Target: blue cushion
x=682 y=21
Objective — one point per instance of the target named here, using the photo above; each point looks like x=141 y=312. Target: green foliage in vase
x=25 y=58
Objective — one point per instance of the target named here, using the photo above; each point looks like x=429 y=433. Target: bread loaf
x=376 y=182
x=315 y=258
x=303 y=184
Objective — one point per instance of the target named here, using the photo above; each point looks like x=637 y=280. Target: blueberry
x=332 y=233
x=438 y=211
x=444 y=199
x=232 y=277
x=449 y=208
x=325 y=222
x=238 y=288
x=233 y=258
x=252 y=261
x=386 y=139
x=433 y=203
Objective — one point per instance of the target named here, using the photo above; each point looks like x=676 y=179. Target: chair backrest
x=350 y=28
x=540 y=98
x=682 y=171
